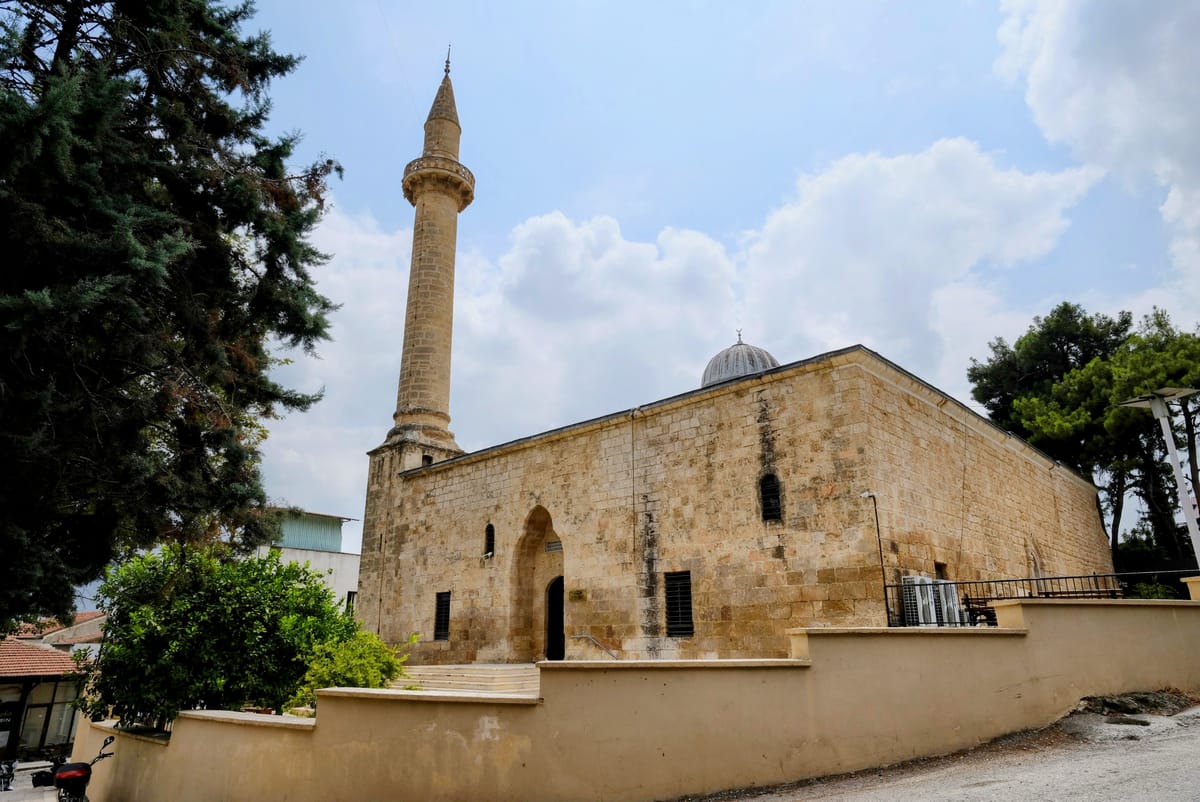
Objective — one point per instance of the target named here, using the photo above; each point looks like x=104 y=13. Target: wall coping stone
x=397 y=695
x=284 y=721
x=669 y=665
x=908 y=632
x=799 y=637
x=110 y=725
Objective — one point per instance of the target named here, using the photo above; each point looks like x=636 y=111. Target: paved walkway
x=23 y=790
x=1083 y=759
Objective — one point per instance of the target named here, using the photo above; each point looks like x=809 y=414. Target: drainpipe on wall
x=879 y=541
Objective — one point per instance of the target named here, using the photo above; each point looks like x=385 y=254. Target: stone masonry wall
x=674 y=487
x=957 y=491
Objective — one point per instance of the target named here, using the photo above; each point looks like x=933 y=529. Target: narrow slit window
x=489 y=541
x=768 y=492
x=441 y=617
x=677 y=586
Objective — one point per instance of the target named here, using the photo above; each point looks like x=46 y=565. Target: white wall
x=339 y=568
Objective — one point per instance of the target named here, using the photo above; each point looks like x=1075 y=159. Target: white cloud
x=317 y=460
x=1115 y=81
x=578 y=321
x=575 y=321
x=966 y=315
x=862 y=252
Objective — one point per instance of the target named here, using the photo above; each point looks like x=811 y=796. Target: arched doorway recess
x=536 y=628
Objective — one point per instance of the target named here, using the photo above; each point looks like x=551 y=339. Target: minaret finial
x=447 y=61
x=739 y=331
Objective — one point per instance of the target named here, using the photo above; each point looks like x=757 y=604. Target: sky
x=920 y=178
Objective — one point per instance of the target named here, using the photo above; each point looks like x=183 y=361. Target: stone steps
x=515 y=678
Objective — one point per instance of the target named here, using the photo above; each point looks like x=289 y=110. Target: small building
x=36 y=692
x=316 y=538
x=83 y=634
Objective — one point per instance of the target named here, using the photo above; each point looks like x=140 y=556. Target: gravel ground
x=1101 y=753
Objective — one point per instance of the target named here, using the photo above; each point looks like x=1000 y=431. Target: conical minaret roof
x=443 y=104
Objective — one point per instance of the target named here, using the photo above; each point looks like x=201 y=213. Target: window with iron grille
x=768 y=493
x=441 y=617
x=678 y=588
x=489 y=541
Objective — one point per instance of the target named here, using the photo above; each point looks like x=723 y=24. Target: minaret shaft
x=439 y=187
x=424 y=392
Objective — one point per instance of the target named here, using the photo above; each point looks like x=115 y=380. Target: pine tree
x=1061 y=387
x=154 y=248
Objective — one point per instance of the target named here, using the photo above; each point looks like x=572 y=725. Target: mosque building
x=703 y=525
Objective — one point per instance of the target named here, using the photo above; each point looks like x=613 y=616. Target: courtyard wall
x=846 y=699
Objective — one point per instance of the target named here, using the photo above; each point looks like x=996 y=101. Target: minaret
x=439 y=187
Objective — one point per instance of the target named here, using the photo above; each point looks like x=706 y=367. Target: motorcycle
x=71 y=779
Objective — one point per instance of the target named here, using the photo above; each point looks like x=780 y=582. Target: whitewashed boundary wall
x=848 y=699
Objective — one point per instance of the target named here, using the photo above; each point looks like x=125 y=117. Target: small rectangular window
x=768 y=491
x=351 y=595
x=678 y=588
x=441 y=617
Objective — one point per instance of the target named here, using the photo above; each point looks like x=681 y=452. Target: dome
x=739 y=359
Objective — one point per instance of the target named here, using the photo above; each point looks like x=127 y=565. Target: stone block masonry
x=701 y=526
x=612 y=505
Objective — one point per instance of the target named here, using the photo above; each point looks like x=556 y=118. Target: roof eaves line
x=614 y=417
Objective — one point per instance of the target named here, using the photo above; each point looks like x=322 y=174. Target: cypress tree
x=153 y=244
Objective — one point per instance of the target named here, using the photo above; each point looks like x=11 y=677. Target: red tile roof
x=47 y=625
x=27 y=629
x=22 y=659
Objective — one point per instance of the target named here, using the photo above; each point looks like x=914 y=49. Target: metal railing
x=587 y=636
x=923 y=601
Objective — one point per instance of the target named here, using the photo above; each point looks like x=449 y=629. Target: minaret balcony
x=439 y=171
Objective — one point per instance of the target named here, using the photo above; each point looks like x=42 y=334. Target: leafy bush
x=195 y=628
x=362 y=661
x=1152 y=590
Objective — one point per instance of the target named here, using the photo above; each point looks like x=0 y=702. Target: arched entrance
x=536 y=629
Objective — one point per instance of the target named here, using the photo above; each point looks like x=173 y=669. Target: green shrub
x=192 y=627
x=362 y=661
x=1152 y=590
